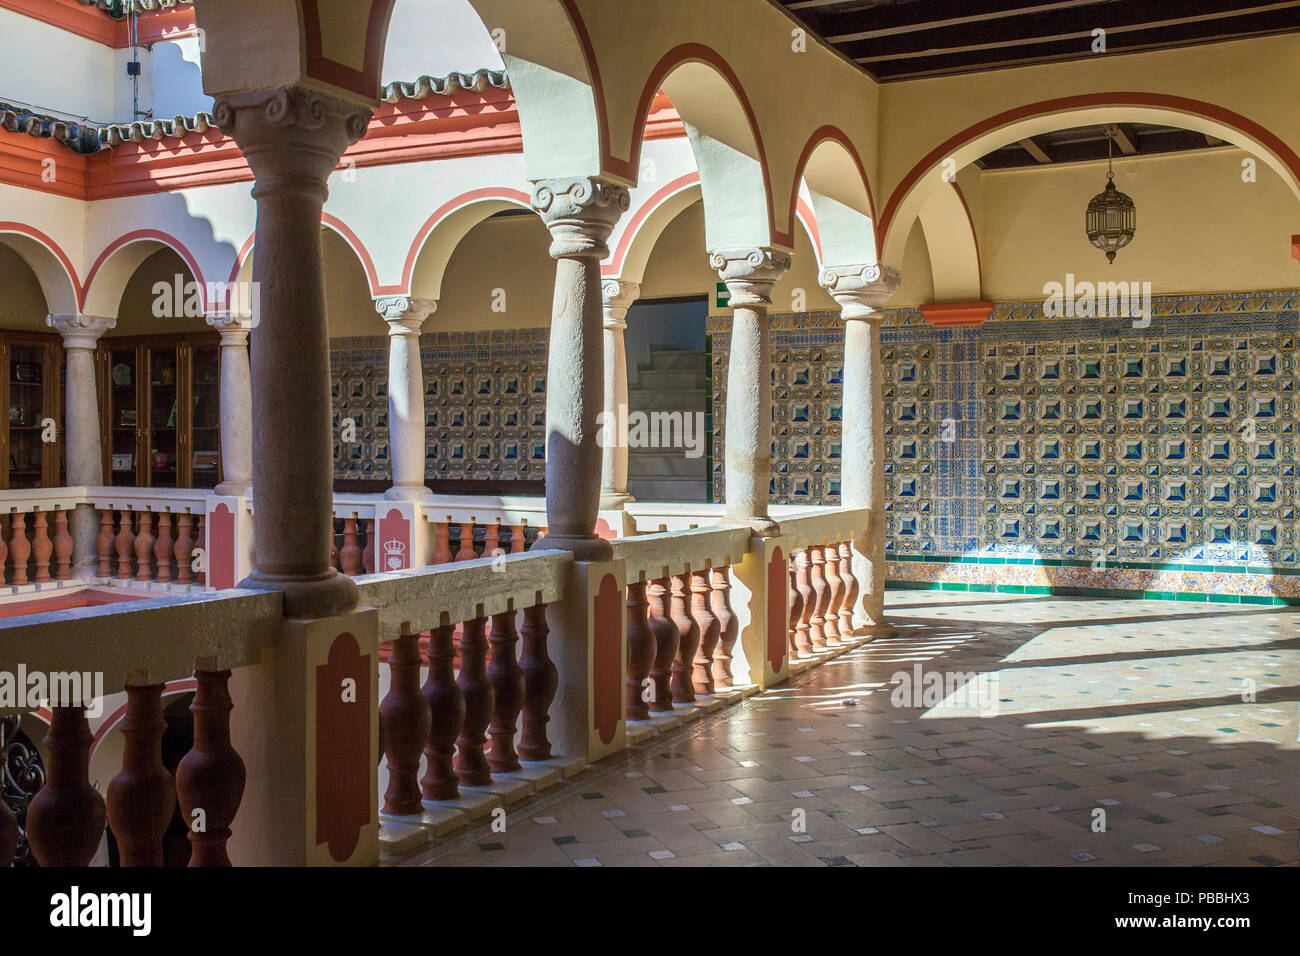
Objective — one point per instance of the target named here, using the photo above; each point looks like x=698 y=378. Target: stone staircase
x=674 y=380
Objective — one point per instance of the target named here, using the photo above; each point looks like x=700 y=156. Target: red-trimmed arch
x=502 y=193
x=643 y=212
x=345 y=233
x=363 y=82
x=146 y=235
x=22 y=229
x=696 y=53
x=1246 y=126
x=836 y=135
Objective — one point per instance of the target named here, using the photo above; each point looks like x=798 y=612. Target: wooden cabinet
x=160 y=410
x=32 y=382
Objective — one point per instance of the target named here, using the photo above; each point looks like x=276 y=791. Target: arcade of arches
x=576 y=378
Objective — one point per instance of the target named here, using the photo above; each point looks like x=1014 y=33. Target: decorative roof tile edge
x=139 y=131
x=78 y=137
x=425 y=86
x=86 y=138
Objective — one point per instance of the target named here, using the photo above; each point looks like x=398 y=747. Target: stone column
x=580 y=214
x=405 y=316
x=236 y=404
x=750 y=275
x=861 y=292
x=293 y=138
x=81 y=428
x=618 y=297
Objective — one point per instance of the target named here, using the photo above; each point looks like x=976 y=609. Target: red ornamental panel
x=778 y=607
x=394 y=549
x=607 y=659
x=221 y=548
x=344 y=710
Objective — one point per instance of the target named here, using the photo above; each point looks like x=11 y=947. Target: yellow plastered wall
x=136 y=314
x=23 y=304
x=1200 y=227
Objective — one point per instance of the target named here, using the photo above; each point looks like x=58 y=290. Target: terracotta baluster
x=404 y=718
x=368 y=553
x=142 y=796
x=350 y=555
x=796 y=610
x=507 y=680
x=471 y=764
x=850 y=590
x=42 y=547
x=835 y=587
x=540 y=682
x=688 y=642
x=162 y=549
x=65 y=821
x=516 y=539
x=144 y=541
x=640 y=651
x=441 y=550
x=201 y=542
x=707 y=624
x=803 y=630
x=125 y=544
x=821 y=598
x=466 y=551
x=666 y=638
x=4 y=551
x=447 y=714
x=20 y=548
x=104 y=544
x=62 y=546
x=184 y=548
x=492 y=539
x=728 y=627
x=210 y=778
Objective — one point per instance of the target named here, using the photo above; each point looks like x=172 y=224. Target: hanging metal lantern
x=1112 y=216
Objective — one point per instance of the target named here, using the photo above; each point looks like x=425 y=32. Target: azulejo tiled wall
x=485 y=405
x=1079 y=442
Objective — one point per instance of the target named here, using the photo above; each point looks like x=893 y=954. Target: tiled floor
x=1123 y=713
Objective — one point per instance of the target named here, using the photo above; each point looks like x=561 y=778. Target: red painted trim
x=1295 y=247
x=359 y=247
x=87 y=22
x=975 y=238
x=442 y=212
x=146 y=235
x=957 y=314
x=53 y=247
x=91 y=23
x=700 y=53
x=837 y=135
x=615 y=266
x=1248 y=127
x=809 y=219
x=597 y=87
x=363 y=82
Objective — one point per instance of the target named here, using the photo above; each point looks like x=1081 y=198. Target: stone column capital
x=292 y=136
x=405 y=315
x=580 y=213
x=750 y=274
x=861 y=290
x=234 y=328
x=617 y=297
x=80 y=331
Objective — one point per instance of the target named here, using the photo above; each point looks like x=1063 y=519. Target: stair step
x=668 y=489
x=671 y=379
x=678 y=358
x=668 y=463
x=683 y=400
